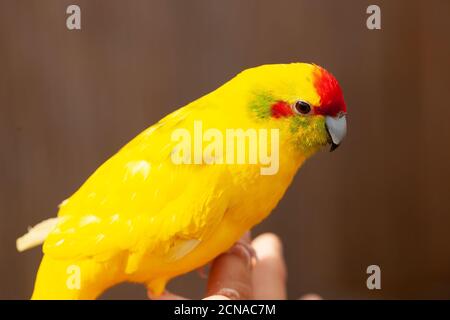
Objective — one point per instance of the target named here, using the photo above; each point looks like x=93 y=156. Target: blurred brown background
x=70 y=99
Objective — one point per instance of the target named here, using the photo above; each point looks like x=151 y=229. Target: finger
x=217 y=297
x=230 y=274
x=311 y=296
x=269 y=274
x=166 y=295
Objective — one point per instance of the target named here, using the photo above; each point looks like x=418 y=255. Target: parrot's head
x=304 y=100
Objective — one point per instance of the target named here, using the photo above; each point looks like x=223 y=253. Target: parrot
x=144 y=218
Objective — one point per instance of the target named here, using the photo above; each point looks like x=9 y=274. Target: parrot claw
x=156 y=287
x=203 y=271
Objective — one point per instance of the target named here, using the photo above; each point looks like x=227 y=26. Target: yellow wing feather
x=135 y=201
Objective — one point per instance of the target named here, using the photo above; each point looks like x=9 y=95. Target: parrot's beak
x=336 y=128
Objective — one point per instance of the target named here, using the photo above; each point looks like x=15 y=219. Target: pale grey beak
x=337 y=129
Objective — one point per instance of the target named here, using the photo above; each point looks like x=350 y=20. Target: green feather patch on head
x=298 y=122
x=309 y=132
x=260 y=104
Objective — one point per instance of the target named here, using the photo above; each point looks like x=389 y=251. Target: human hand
x=249 y=270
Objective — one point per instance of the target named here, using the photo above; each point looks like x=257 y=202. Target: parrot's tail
x=76 y=279
x=36 y=235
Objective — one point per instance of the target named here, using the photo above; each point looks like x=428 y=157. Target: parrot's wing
x=140 y=201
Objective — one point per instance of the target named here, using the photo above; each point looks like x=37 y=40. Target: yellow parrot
x=185 y=189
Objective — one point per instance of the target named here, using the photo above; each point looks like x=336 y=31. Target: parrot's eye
x=302 y=107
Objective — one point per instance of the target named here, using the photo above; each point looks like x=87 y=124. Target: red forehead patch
x=331 y=97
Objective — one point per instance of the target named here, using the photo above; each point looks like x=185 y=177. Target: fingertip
x=216 y=297
x=269 y=275
x=267 y=242
x=269 y=247
x=311 y=296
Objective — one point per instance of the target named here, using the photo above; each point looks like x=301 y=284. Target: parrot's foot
x=156 y=287
x=203 y=271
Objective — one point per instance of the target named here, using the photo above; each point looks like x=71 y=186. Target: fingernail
x=244 y=251
x=229 y=293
